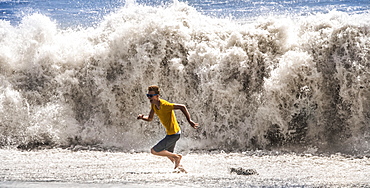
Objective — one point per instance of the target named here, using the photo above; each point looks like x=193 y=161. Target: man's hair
x=154 y=88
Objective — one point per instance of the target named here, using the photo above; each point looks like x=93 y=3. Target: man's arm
x=185 y=111
x=146 y=118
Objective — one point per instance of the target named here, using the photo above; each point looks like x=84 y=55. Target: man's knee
x=153 y=151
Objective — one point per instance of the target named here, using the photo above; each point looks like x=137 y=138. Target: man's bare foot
x=177 y=161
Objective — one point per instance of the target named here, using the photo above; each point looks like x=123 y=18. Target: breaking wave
x=273 y=83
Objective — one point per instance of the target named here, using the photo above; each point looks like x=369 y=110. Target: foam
x=272 y=82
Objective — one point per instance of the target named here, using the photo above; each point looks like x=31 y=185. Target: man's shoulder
x=166 y=103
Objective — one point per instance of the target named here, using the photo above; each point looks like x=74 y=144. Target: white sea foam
x=63 y=168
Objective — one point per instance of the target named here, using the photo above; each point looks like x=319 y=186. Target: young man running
x=166 y=114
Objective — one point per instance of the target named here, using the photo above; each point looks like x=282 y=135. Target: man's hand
x=140 y=116
x=146 y=118
x=194 y=125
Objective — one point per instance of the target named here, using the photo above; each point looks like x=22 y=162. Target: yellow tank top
x=167 y=116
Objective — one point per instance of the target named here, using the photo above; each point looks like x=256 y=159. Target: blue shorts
x=167 y=143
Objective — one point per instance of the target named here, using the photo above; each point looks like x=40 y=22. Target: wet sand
x=65 y=168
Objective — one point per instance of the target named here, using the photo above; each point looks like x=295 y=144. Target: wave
x=273 y=83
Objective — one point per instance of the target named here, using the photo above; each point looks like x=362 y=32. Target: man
x=166 y=114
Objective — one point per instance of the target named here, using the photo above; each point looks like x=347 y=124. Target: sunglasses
x=151 y=95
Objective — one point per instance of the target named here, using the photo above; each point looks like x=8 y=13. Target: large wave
x=274 y=83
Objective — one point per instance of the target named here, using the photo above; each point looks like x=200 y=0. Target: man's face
x=152 y=98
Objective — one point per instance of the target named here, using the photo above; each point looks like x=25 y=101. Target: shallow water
x=65 y=168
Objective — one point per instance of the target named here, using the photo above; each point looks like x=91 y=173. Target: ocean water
x=73 y=13
x=290 y=75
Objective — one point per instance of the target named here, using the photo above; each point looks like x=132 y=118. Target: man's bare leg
x=172 y=159
x=175 y=158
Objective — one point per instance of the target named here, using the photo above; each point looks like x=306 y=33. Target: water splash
x=271 y=83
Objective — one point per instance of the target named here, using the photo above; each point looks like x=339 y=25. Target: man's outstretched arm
x=185 y=111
